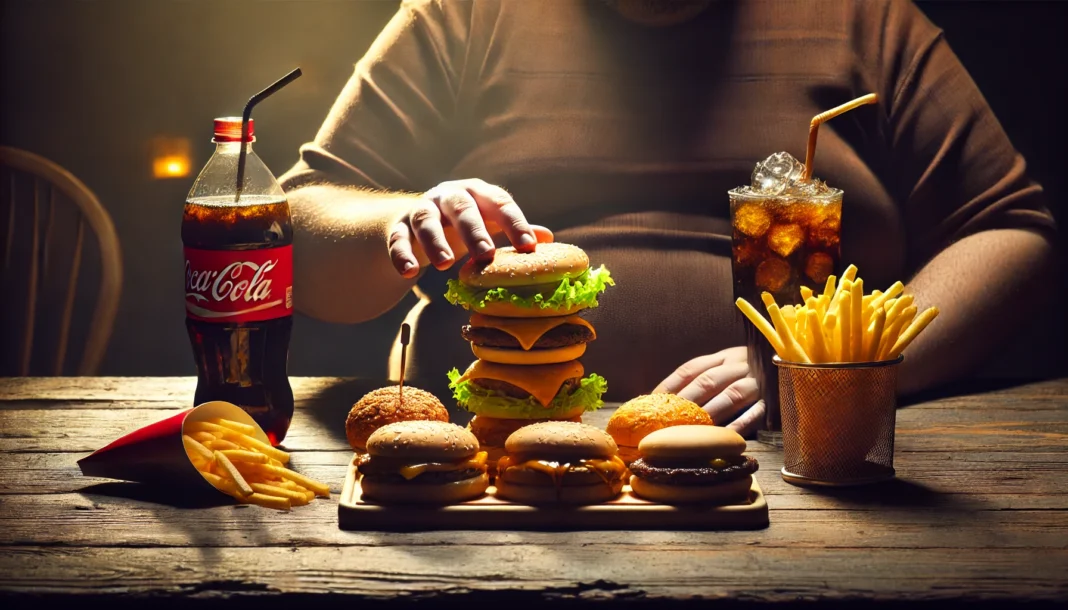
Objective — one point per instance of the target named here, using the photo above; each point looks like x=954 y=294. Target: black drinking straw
x=252 y=101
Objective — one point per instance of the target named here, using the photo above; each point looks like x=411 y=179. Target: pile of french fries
x=841 y=324
x=229 y=456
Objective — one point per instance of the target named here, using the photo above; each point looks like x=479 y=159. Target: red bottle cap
x=228 y=129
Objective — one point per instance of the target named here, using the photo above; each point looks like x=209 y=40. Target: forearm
x=985 y=286
x=342 y=268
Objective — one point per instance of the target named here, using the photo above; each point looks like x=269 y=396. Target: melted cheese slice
x=477 y=461
x=527 y=330
x=542 y=381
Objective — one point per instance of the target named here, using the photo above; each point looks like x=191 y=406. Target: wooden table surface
x=979 y=512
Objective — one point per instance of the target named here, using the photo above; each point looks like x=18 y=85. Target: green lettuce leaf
x=582 y=290
x=478 y=400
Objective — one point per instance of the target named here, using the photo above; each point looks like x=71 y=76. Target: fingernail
x=482 y=247
x=443 y=257
x=408 y=266
x=526 y=239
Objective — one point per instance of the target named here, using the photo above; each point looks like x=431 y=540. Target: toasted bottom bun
x=504 y=355
x=549 y=494
x=628 y=454
x=731 y=492
x=506 y=309
x=415 y=493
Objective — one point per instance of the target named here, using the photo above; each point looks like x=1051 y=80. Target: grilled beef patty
x=737 y=468
x=561 y=336
x=388 y=472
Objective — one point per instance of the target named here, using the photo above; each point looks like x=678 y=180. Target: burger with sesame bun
x=527 y=336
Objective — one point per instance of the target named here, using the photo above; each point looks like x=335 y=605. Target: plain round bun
x=381 y=407
x=505 y=309
x=548 y=263
x=549 y=494
x=692 y=442
x=414 y=493
x=504 y=355
x=641 y=416
x=561 y=440
x=731 y=492
x=422 y=440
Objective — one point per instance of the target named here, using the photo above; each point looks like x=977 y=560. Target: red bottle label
x=239 y=285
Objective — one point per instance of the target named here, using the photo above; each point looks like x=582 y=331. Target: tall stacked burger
x=527 y=337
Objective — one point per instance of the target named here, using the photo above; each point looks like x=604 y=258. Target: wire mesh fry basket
x=838 y=422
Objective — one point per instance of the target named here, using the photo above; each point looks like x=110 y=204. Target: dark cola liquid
x=779 y=245
x=243 y=363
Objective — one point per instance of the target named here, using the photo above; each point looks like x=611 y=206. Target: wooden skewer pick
x=406 y=337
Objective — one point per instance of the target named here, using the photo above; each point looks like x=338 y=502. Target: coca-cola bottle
x=239 y=283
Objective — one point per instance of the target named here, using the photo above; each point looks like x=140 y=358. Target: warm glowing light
x=170 y=157
x=170 y=167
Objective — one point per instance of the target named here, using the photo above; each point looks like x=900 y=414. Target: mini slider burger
x=641 y=416
x=693 y=464
x=560 y=463
x=389 y=405
x=424 y=462
x=527 y=339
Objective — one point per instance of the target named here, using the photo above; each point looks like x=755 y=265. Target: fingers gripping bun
x=548 y=263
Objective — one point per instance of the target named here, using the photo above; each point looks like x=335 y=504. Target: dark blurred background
x=93 y=84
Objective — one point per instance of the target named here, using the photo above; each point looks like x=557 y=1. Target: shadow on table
x=895 y=493
x=160 y=500
x=174 y=497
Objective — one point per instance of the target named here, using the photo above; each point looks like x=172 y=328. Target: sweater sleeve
x=954 y=167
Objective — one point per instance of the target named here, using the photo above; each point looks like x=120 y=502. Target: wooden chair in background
x=44 y=212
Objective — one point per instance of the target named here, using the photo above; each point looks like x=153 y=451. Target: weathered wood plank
x=96 y=520
x=651 y=572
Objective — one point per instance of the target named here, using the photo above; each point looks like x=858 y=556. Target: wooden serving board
x=626 y=512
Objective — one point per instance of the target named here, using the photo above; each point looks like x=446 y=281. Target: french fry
x=890 y=335
x=790 y=316
x=202 y=437
x=806 y=293
x=912 y=331
x=315 y=486
x=828 y=287
x=875 y=332
x=794 y=352
x=227 y=469
x=296 y=498
x=243 y=455
x=267 y=501
x=821 y=305
x=193 y=448
x=224 y=485
x=816 y=339
x=243 y=440
x=235 y=426
x=891 y=293
x=856 y=333
x=845 y=321
x=801 y=330
x=222 y=445
x=762 y=325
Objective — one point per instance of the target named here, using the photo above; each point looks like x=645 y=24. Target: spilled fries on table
x=245 y=468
